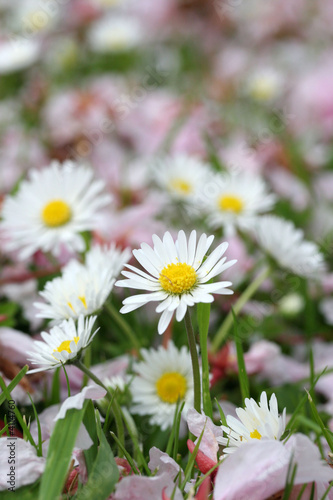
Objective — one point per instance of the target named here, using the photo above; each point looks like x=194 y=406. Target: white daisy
x=264 y=84
x=178 y=275
x=163 y=377
x=82 y=288
x=286 y=244
x=18 y=54
x=255 y=422
x=115 y=34
x=181 y=176
x=63 y=344
x=52 y=208
x=232 y=200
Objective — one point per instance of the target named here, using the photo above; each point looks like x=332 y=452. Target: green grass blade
x=14 y=383
x=328 y=435
x=59 y=454
x=242 y=375
x=21 y=421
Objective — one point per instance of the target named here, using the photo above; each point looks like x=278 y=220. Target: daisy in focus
x=51 y=210
x=163 y=377
x=255 y=422
x=64 y=344
x=82 y=288
x=178 y=275
x=286 y=244
x=231 y=201
x=181 y=176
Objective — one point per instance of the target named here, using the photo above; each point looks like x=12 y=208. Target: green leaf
x=203 y=314
x=242 y=375
x=104 y=474
x=29 y=492
x=6 y=394
x=59 y=454
x=14 y=383
x=89 y=422
x=328 y=435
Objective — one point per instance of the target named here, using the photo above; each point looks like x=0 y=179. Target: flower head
x=178 y=275
x=181 y=176
x=163 y=377
x=233 y=200
x=82 y=288
x=63 y=344
x=255 y=422
x=52 y=208
x=286 y=244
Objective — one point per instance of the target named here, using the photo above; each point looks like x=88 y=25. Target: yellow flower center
x=171 y=387
x=263 y=89
x=64 y=346
x=255 y=434
x=181 y=186
x=83 y=300
x=178 y=278
x=56 y=213
x=231 y=203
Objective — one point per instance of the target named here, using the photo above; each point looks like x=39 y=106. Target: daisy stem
x=195 y=362
x=243 y=299
x=114 y=404
x=67 y=381
x=116 y=316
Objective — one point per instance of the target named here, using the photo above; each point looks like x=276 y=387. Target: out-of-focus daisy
x=264 y=84
x=163 y=377
x=255 y=422
x=18 y=54
x=178 y=275
x=63 y=344
x=286 y=244
x=52 y=208
x=232 y=200
x=82 y=288
x=115 y=34
x=181 y=176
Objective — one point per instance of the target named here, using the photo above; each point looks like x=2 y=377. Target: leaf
x=242 y=375
x=89 y=421
x=104 y=474
x=59 y=454
x=14 y=383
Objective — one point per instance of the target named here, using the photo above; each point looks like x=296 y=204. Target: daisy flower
x=18 y=54
x=254 y=422
x=286 y=244
x=233 y=200
x=82 y=288
x=178 y=275
x=181 y=176
x=115 y=34
x=163 y=377
x=52 y=208
x=63 y=344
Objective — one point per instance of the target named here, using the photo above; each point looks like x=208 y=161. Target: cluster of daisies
x=53 y=213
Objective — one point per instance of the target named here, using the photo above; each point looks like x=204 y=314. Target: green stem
x=67 y=381
x=117 y=317
x=195 y=362
x=115 y=407
x=203 y=314
x=243 y=299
